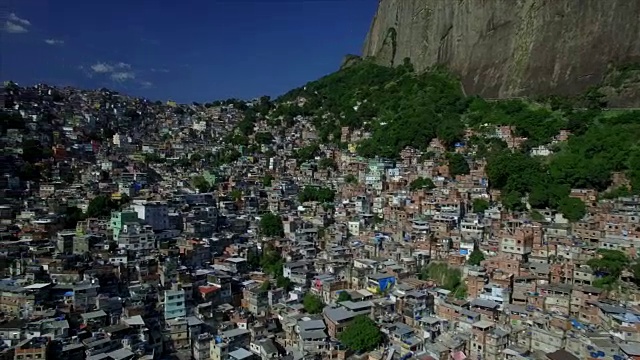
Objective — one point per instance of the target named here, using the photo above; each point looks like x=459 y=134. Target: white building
x=541 y=150
x=354 y=228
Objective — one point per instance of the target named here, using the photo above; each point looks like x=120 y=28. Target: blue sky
x=189 y=50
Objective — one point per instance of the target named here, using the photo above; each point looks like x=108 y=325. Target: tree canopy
x=573 y=209
x=480 y=205
x=327 y=163
x=605 y=145
x=72 y=215
x=267 y=180
x=362 y=334
x=421 y=183
x=200 y=183
x=101 y=205
x=608 y=265
x=312 y=304
x=458 y=165
x=350 y=179
x=476 y=257
x=401 y=108
x=271 y=225
x=344 y=296
x=316 y=193
x=271 y=263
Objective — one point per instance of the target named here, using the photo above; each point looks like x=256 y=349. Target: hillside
x=506 y=48
x=396 y=108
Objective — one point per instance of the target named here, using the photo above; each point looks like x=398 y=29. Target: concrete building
x=137 y=238
x=34 y=348
x=174 y=304
x=154 y=213
x=119 y=218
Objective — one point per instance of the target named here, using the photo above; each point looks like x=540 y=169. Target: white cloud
x=122 y=76
x=119 y=72
x=14 y=28
x=54 y=42
x=146 y=84
x=101 y=68
x=15 y=19
x=160 y=70
x=16 y=24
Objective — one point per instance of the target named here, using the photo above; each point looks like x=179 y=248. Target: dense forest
x=401 y=108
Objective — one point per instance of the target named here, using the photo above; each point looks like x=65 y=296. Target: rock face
x=510 y=48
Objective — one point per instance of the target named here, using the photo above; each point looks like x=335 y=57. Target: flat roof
x=37 y=286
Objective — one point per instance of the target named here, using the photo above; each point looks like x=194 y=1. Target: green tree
x=480 y=205
x=271 y=225
x=200 y=183
x=316 y=193
x=618 y=192
x=608 y=265
x=450 y=132
x=272 y=262
x=267 y=180
x=573 y=209
x=72 y=215
x=265 y=286
x=33 y=151
x=195 y=158
x=11 y=120
x=512 y=201
x=458 y=165
x=421 y=183
x=307 y=153
x=350 y=179
x=253 y=259
x=100 y=205
x=361 y=335
x=461 y=292
x=284 y=283
x=476 y=257
x=635 y=269
x=327 y=163
x=536 y=216
x=29 y=172
x=312 y=304
x=594 y=99
x=264 y=138
x=344 y=296
x=152 y=158
x=236 y=194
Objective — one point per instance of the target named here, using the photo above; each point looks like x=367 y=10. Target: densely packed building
x=121 y=239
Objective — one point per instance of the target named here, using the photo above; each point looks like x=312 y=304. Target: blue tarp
x=386 y=283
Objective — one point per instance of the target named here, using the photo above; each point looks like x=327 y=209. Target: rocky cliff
x=510 y=48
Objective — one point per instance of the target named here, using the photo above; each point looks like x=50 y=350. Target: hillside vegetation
x=401 y=108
